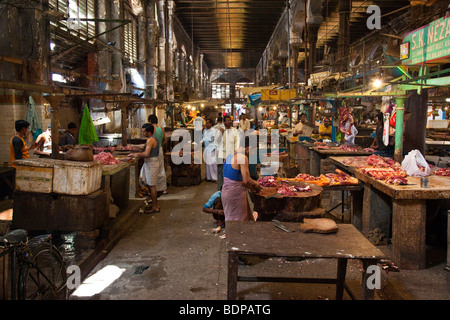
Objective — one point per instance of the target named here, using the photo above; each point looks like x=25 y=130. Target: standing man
x=227 y=142
x=244 y=123
x=44 y=143
x=18 y=149
x=149 y=175
x=210 y=151
x=301 y=128
x=160 y=135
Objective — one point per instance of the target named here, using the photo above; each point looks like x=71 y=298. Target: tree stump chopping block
x=288 y=208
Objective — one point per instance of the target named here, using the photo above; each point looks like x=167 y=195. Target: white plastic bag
x=411 y=164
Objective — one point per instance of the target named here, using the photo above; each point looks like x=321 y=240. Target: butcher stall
x=398 y=204
x=64 y=195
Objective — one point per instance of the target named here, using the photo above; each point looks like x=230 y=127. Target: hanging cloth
x=32 y=119
x=386 y=119
x=87 y=133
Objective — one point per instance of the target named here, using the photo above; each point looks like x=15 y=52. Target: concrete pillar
x=27 y=39
x=104 y=54
x=151 y=47
x=117 y=69
x=312 y=54
x=161 y=9
x=344 y=7
x=169 y=51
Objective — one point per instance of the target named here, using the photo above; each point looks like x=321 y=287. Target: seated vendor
x=69 y=138
x=215 y=207
x=325 y=129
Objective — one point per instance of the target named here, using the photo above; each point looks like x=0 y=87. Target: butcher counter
x=404 y=205
x=61 y=195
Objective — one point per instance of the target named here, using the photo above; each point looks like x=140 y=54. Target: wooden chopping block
x=319 y=225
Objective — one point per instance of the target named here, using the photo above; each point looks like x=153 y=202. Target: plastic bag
x=87 y=133
x=413 y=163
x=393 y=120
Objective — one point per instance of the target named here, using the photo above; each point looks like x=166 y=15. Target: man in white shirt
x=301 y=128
x=227 y=142
x=244 y=123
x=209 y=154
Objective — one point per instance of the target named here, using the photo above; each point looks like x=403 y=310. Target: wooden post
x=408 y=233
x=124 y=124
x=55 y=100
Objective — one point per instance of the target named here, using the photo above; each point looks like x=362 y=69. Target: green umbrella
x=87 y=133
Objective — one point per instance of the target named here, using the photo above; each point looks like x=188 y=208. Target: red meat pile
x=348 y=148
x=380 y=162
x=443 y=172
x=383 y=174
x=396 y=180
x=267 y=181
x=106 y=158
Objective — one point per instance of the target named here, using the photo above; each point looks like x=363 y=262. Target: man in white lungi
x=151 y=168
x=209 y=154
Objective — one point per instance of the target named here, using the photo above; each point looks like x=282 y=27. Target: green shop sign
x=428 y=44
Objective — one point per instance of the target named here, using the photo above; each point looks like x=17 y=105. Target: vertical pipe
x=305 y=32
x=398 y=154
x=288 y=42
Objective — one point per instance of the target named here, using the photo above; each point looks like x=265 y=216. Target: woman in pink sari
x=235 y=184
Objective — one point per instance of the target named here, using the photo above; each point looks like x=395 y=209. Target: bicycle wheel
x=43 y=276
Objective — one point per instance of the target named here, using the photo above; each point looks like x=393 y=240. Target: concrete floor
x=182 y=259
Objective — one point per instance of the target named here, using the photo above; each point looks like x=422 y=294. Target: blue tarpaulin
x=255 y=99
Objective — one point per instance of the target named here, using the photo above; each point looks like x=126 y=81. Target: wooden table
x=318 y=154
x=263 y=239
x=408 y=206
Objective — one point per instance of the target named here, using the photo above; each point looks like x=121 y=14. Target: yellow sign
x=283 y=94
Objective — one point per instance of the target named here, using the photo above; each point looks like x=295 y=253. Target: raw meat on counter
x=106 y=158
x=291 y=190
x=396 y=180
x=383 y=173
x=443 y=172
x=381 y=162
x=341 y=178
x=346 y=147
x=267 y=181
x=320 y=181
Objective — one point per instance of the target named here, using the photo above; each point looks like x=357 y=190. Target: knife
x=279 y=225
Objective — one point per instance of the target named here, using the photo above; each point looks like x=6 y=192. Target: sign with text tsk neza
x=428 y=44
